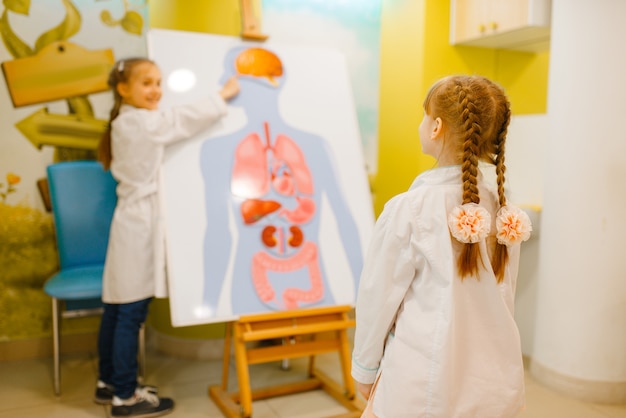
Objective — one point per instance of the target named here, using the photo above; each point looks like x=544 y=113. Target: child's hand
x=230 y=88
x=364 y=389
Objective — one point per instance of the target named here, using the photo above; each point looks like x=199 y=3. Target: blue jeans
x=118 y=342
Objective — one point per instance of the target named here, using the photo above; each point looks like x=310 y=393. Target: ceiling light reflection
x=181 y=80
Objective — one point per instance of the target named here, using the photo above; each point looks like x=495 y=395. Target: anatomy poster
x=268 y=210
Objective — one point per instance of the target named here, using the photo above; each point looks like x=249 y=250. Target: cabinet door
x=522 y=25
x=506 y=15
x=470 y=19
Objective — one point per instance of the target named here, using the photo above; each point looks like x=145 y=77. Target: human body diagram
x=270 y=191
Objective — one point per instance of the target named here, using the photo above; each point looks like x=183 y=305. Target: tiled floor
x=26 y=390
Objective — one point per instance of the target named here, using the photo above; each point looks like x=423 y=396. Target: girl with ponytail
x=134 y=272
x=435 y=333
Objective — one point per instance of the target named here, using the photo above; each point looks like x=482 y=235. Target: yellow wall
x=222 y=17
x=402 y=70
x=414 y=53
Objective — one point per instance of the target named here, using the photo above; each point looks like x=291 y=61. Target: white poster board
x=269 y=209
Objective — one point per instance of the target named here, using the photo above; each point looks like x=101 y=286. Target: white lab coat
x=135 y=262
x=441 y=347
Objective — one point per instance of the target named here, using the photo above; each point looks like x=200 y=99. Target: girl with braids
x=435 y=334
x=134 y=270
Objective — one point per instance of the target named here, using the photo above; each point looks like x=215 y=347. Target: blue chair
x=83 y=199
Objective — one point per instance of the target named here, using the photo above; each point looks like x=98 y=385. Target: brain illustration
x=259 y=62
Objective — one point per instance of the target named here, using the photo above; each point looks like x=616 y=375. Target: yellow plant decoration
x=76 y=73
x=12 y=181
x=131 y=22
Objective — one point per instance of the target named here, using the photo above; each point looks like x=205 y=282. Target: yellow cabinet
x=506 y=24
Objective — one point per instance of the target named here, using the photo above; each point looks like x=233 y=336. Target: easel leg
x=312 y=362
x=285 y=365
x=226 y=358
x=243 y=375
x=346 y=362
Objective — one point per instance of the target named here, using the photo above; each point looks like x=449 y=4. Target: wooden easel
x=309 y=332
x=251 y=22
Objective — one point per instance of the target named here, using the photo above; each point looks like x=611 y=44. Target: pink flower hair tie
x=513 y=225
x=469 y=223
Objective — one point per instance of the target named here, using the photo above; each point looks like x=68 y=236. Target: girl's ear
x=437 y=131
x=122 y=89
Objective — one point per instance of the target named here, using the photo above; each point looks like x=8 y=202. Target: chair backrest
x=83 y=199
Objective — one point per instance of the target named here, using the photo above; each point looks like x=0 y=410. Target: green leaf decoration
x=107 y=19
x=80 y=105
x=17 y=6
x=16 y=47
x=132 y=22
x=66 y=29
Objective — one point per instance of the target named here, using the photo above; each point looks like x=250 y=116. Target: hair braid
x=105 y=152
x=499 y=148
x=468 y=259
x=501 y=255
x=477 y=113
x=470 y=148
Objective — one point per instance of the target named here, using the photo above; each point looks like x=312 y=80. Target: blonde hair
x=477 y=112
x=120 y=73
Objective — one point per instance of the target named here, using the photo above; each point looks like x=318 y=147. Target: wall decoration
x=55 y=57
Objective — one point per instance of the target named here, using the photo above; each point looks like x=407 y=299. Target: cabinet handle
x=481 y=28
x=493 y=25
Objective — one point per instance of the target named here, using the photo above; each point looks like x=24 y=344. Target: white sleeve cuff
x=362 y=374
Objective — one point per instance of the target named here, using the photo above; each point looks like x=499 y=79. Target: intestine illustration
x=270 y=189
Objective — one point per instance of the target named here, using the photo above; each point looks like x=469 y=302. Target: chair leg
x=56 y=335
x=141 y=370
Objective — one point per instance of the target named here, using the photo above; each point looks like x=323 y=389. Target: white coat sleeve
x=183 y=122
x=387 y=274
